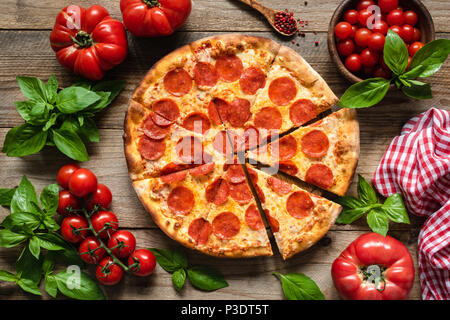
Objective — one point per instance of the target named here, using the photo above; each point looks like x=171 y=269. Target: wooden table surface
x=24 y=50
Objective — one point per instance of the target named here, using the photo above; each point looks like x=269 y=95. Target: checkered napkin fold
x=417 y=165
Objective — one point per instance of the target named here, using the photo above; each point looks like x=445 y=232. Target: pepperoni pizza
x=200 y=111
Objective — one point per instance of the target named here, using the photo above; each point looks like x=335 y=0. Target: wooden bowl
x=425 y=25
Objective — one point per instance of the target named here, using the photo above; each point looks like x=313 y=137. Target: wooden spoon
x=267 y=12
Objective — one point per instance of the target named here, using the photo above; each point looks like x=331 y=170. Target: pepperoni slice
x=202 y=170
x=241 y=193
x=181 y=200
x=229 y=67
x=200 y=230
x=214 y=114
x=196 y=122
x=173 y=167
x=222 y=144
x=205 y=75
x=153 y=131
x=253 y=175
x=239 y=112
x=273 y=223
x=268 y=118
x=279 y=186
x=282 y=90
x=217 y=192
x=260 y=193
x=235 y=174
x=178 y=82
x=301 y=111
x=299 y=204
x=253 y=218
x=166 y=111
x=190 y=150
x=250 y=139
x=174 y=177
x=320 y=175
x=151 y=149
x=315 y=144
x=287 y=148
x=226 y=225
x=288 y=167
x=252 y=79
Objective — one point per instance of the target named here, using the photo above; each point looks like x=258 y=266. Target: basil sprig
x=298 y=286
x=427 y=61
x=59 y=118
x=201 y=277
x=378 y=214
x=31 y=225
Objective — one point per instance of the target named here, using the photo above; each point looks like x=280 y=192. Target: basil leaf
x=29 y=286
x=51 y=241
x=297 y=286
x=51 y=224
x=205 y=278
x=428 y=59
x=51 y=89
x=24 y=108
x=51 y=286
x=395 y=209
x=114 y=87
x=24 y=140
x=78 y=285
x=70 y=143
x=32 y=88
x=350 y=202
x=395 y=53
x=51 y=121
x=24 y=196
x=69 y=256
x=179 y=278
x=101 y=104
x=378 y=221
x=50 y=198
x=6 y=195
x=89 y=131
x=347 y=216
x=28 y=266
x=365 y=93
x=7 y=276
x=21 y=222
x=74 y=99
x=366 y=192
x=169 y=260
x=418 y=90
x=9 y=239
x=34 y=246
x=49 y=262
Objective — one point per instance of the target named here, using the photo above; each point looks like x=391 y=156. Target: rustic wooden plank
x=206 y=15
x=248 y=278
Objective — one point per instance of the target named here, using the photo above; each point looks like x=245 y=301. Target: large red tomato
x=152 y=18
x=374 y=267
x=88 y=41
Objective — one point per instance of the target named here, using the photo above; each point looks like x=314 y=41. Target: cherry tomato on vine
x=387 y=5
x=105 y=223
x=343 y=30
x=82 y=182
x=101 y=197
x=108 y=272
x=74 y=228
x=142 y=262
x=410 y=17
x=67 y=201
x=90 y=250
x=122 y=243
x=414 y=47
x=64 y=174
x=395 y=17
x=345 y=47
x=353 y=62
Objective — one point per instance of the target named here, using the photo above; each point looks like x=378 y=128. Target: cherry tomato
x=362 y=37
x=122 y=243
x=410 y=17
x=353 y=62
x=368 y=71
x=395 y=17
x=381 y=27
x=396 y=29
x=407 y=33
x=414 y=47
x=387 y=5
x=409 y=62
x=382 y=63
x=351 y=16
x=64 y=174
x=101 y=197
x=345 y=47
x=90 y=250
x=82 y=182
x=364 y=4
x=66 y=201
x=380 y=72
x=369 y=58
x=376 y=41
x=363 y=16
x=105 y=223
x=343 y=30
x=142 y=262
x=354 y=29
x=416 y=34
x=74 y=228
x=108 y=272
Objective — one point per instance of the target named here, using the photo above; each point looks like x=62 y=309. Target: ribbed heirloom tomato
x=88 y=41
x=374 y=267
x=152 y=18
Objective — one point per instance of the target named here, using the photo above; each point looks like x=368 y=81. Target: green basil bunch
x=425 y=63
x=61 y=118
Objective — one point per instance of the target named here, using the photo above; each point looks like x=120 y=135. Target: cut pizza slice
x=298 y=218
x=324 y=153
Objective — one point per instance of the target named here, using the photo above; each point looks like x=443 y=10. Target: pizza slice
x=324 y=153
x=298 y=218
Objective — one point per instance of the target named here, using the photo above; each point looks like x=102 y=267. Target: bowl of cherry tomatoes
x=358 y=28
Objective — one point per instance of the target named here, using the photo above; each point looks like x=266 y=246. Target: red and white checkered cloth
x=417 y=165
